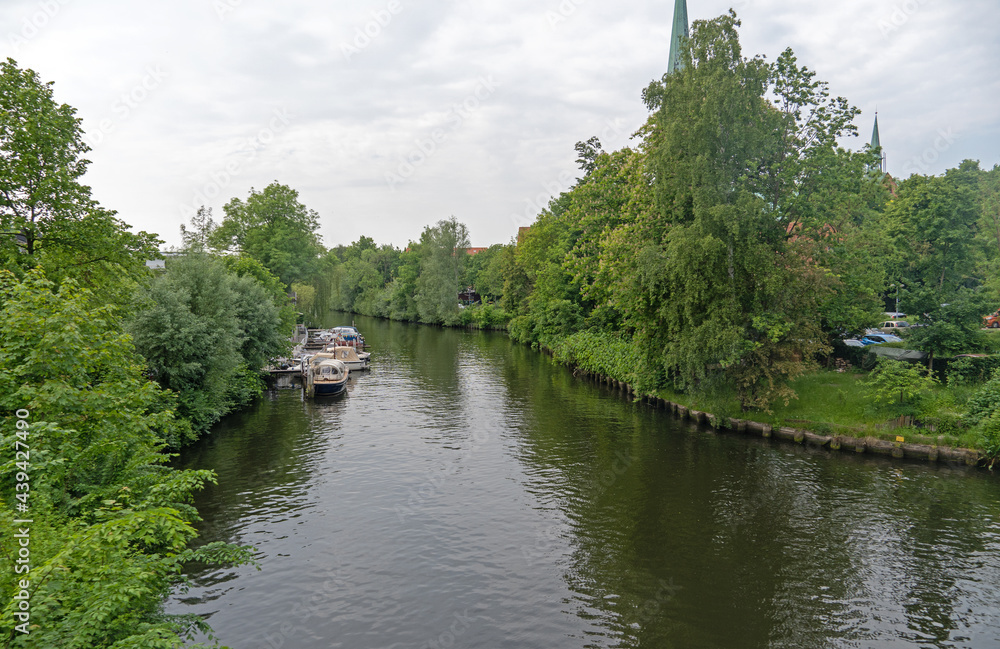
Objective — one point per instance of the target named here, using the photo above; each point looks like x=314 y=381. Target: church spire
x=876 y=143
x=679 y=31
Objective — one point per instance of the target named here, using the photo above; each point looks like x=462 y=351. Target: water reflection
x=469 y=492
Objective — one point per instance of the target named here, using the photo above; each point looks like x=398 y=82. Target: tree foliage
x=206 y=334
x=737 y=149
x=896 y=382
x=934 y=223
x=110 y=523
x=47 y=215
x=274 y=228
x=443 y=259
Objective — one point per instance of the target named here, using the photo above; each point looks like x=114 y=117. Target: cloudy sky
x=389 y=115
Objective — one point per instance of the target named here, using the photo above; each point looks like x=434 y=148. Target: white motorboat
x=350 y=356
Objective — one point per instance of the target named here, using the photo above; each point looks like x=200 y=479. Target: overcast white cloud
x=193 y=102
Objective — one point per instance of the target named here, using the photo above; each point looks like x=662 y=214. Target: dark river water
x=468 y=492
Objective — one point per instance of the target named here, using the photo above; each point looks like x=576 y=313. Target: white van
x=893 y=326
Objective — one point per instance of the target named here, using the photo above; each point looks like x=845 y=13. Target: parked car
x=895 y=315
x=852 y=342
x=992 y=321
x=890 y=326
x=879 y=332
x=879 y=338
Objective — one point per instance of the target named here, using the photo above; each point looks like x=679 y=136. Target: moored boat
x=350 y=356
x=327 y=375
x=285 y=366
x=349 y=337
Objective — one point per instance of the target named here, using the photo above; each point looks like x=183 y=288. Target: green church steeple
x=876 y=144
x=679 y=31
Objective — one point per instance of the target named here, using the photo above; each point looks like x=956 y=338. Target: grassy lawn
x=837 y=403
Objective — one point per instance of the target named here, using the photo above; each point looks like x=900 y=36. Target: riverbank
x=614 y=361
x=889 y=444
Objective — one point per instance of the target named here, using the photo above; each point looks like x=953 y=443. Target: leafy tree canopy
x=48 y=216
x=443 y=260
x=111 y=523
x=206 y=333
x=274 y=228
x=738 y=149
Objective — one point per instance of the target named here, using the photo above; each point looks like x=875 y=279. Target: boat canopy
x=326 y=367
x=346 y=354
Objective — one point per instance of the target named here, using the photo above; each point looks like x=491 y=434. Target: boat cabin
x=349 y=356
x=329 y=370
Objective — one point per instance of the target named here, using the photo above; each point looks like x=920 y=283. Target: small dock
x=306 y=343
x=291 y=366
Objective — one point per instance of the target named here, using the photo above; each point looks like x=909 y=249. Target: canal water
x=468 y=492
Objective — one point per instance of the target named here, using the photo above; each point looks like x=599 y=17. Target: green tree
x=359 y=279
x=243 y=266
x=443 y=260
x=206 y=335
x=41 y=163
x=198 y=237
x=403 y=288
x=355 y=250
x=485 y=271
x=896 y=382
x=60 y=228
x=274 y=228
x=986 y=401
x=540 y=291
x=189 y=335
x=934 y=224
x=260 y=328
x=612 y=203
x=305 y=297
x=934 y=221
x=736 y=147
x=989 y=232
x=111 y=523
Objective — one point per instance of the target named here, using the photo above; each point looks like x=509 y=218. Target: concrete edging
x=871 y=445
